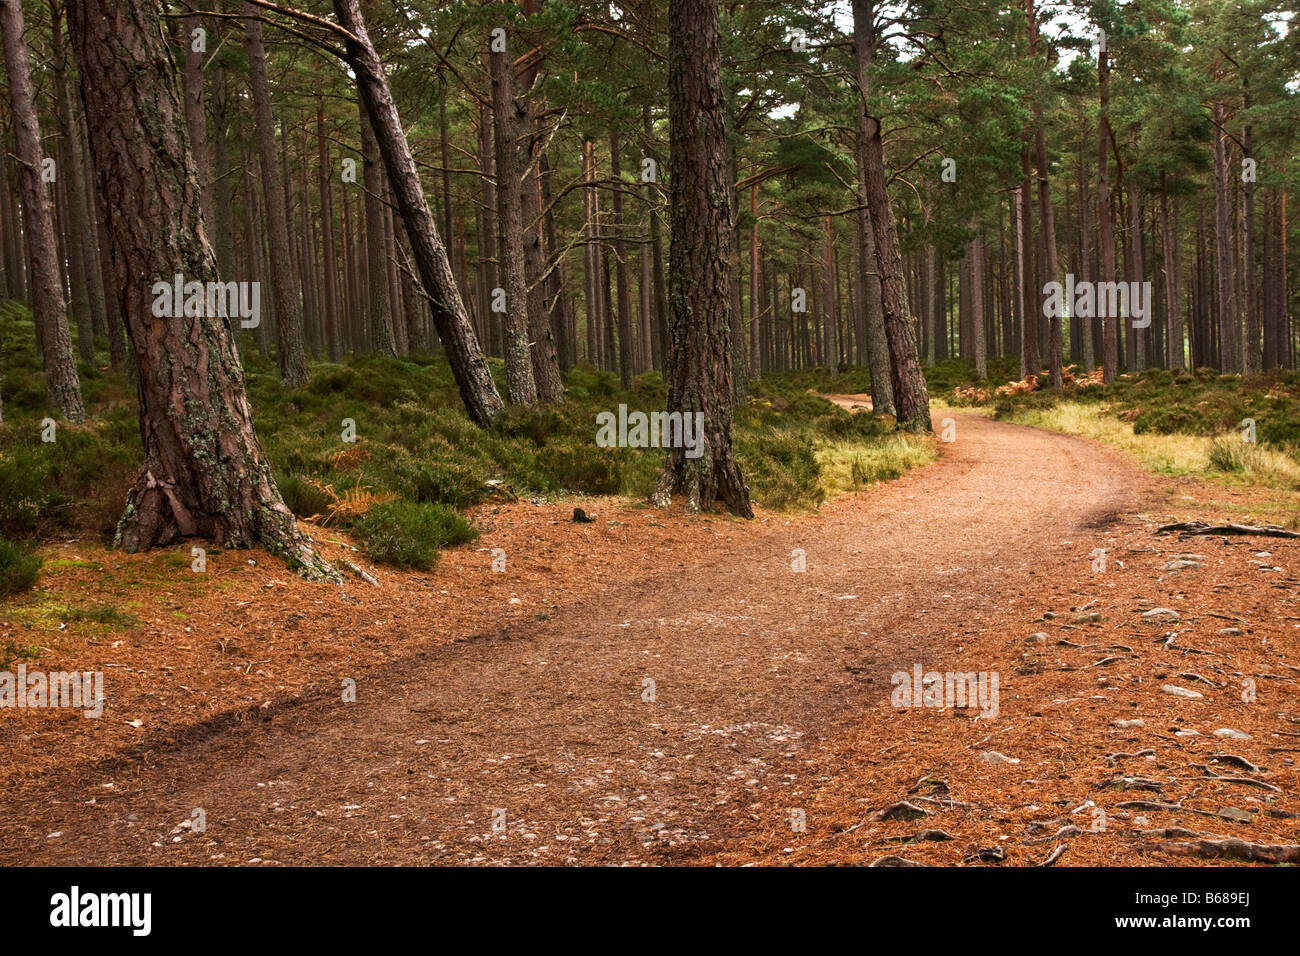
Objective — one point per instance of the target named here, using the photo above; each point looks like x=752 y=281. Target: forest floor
x=660 y=688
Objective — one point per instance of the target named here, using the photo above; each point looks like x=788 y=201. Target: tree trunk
x=1229 y=342
x=1252 y=352
x=284 y=290
x=910 y=395
x=379 y=309
x=329 y=277
x=625 y=351
x=701 y=199
x=82 y=236
x=468 y=366
x=829 y=311
x=541 y=347
x=975 y=252
x=48 y=307
x=1136 y=270
x=1173 y=309
x=592 y=267
x=487 y=240
x=1106 y=238
x=521 y=383
x=195 y=121
x=204 y=471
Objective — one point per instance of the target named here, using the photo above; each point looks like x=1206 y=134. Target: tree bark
x=541 y=345
x=1253 y=354
x=521 y=383
x=379 y=310
x=468 y=366
x=204 y=472
x=910 y=395
x=1106 y=238
x=625 y=344
x=284 y=288
x=1229 y=340
x=1173 y=308
x=702 y=196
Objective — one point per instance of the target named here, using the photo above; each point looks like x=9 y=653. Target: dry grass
x=350 y=505
x=1200 y=456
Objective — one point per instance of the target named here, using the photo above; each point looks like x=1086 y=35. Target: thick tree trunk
x=477 y=389
x=701 y=199
x=204 y=471
x=910 y=395
x=48 y=307
x=284 y=290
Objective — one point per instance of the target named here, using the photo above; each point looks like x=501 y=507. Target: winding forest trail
x=550 y=729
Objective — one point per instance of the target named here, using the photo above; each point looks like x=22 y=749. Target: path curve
x=551 y=729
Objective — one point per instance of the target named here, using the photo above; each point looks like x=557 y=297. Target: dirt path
x=550 y=727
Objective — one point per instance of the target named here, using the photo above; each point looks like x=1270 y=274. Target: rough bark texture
x=699 y=296
x=911 y=397
x=521 y=383
x=46 y=291
x=468 y=366
x=195 y=121
x=204 y=471
x=284 y=287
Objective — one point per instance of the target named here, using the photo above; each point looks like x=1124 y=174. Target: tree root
x=1231 y=847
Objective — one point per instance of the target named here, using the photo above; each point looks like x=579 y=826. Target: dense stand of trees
x=897 y=184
